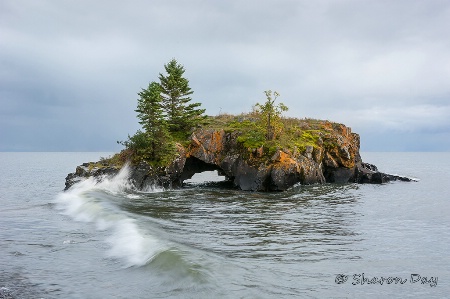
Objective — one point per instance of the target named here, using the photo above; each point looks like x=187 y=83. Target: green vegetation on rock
x=296 y=136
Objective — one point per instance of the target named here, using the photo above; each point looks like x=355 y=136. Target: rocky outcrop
x=334 y=158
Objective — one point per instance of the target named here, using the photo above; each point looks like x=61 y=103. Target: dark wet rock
x=86 y=170
x=368 y=173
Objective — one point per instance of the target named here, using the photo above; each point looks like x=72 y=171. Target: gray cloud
x=70 y=70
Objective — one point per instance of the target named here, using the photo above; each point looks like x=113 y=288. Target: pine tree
x=175 y=91
x=151 y=117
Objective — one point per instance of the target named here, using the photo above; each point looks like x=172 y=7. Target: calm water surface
x=208 y=240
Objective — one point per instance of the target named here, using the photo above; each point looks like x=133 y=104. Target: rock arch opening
x=198 y=171
x=205 y=176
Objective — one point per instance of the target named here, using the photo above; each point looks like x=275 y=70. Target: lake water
x=209 y=241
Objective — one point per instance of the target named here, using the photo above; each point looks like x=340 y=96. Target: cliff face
x=333 y=158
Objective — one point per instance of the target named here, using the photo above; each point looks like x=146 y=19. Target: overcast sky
x=70 y=70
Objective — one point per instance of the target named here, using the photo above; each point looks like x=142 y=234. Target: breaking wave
x=93 y=201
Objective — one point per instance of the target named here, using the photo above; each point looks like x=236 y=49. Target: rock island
x=261 y=150
x=320 y=152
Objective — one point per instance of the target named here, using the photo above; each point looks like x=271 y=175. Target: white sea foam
x=152 y=189
x=117 y=184
x=129 y=243
x=133 y=196
x=84 y=202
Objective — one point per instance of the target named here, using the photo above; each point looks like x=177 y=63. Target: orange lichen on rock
x=216 y=144
x=207 y=145
x=284 y=161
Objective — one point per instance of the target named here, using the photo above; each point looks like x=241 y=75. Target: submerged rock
x=335 y=158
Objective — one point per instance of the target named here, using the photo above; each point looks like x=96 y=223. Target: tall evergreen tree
x=151 y=117
x=182 y=115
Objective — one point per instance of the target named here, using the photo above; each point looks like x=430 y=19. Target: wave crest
x=92 y=200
